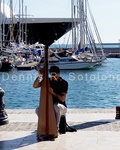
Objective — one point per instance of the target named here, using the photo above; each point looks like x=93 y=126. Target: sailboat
x=85 y=53
x=85 y=31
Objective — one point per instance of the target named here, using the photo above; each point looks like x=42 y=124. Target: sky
x=106 y=14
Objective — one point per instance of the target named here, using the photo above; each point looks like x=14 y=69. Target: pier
x=97 y=129
x=113 y=55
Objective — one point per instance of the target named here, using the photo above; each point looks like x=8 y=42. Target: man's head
x=55 y=72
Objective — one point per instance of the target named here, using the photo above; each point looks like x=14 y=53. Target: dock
x=113 y=55
x=27 y=66
x=97 y=129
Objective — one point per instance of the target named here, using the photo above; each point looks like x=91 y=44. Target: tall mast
x=82 y=36
x=73 y=15
x=26 y=24
x=3 y=20
x=72 y=4
x=11 y=21
x=77 y=27
x=19 y=38
x=0 y=28
x=22 y=24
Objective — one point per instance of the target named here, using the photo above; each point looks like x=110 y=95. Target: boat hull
x=6 y=66
x=72 y=65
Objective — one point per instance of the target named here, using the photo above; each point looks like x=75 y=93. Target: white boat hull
x=72 y=65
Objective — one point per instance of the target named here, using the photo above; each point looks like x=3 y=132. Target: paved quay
x=97 y=129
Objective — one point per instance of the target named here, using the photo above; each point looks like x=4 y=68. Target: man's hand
x=40 y=71
x=54 y=78
x=60 y=97
x=51 y=91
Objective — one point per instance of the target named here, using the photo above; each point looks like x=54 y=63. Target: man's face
x=55 y=76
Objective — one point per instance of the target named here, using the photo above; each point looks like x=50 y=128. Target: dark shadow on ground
x=89 y=124
x=19 y=142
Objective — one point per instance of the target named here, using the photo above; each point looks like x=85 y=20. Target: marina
x=91 y=87
x=90 y=67
x=81 y=30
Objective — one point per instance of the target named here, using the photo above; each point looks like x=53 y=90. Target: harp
x=46 y=113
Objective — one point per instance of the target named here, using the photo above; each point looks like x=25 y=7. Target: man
x=58 y=89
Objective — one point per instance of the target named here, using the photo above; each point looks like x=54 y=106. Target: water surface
x=94 y=88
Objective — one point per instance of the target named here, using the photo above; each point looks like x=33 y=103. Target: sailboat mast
x=85 y=21
x=11 y=21
x=3 y=21
x=0 y=28
x=74 y=24
x=77 y=27
x=82 y=33
x=19 y=38
x=72 y=4
x=78 y=31
x=22 y=24
x=26 y=24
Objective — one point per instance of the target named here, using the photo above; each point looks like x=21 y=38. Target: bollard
x=117 y=112
x=3 y=113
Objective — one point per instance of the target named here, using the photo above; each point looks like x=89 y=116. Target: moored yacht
x=69 y=62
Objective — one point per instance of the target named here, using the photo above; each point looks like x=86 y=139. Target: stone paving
x=97 y=129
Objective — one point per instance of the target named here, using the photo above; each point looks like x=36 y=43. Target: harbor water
x=94 y=88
